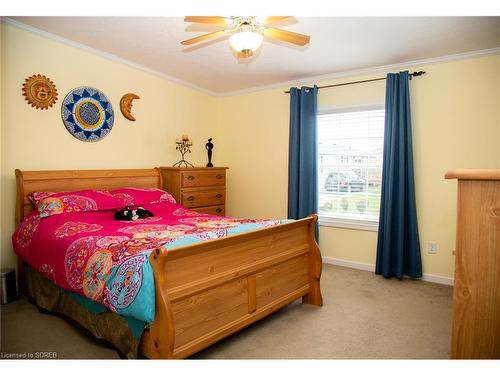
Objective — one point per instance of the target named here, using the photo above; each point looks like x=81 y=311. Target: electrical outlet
x=432 y=247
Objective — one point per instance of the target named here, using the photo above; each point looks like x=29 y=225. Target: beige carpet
x=364 y=316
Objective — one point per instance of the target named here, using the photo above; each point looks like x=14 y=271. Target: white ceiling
x=338 y=44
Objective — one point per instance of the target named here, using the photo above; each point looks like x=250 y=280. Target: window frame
x=349 y=223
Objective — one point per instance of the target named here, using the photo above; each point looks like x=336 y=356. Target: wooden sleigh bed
x=209 y=290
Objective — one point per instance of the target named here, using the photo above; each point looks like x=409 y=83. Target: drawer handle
x=190 y=198
x=219 y=210
x=218 y=177
x=190 y=178
x=218 y=196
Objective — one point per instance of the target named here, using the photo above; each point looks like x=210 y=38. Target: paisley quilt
x=107 y=261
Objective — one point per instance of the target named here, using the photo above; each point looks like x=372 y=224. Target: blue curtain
x=302 y=154
x=398 y=247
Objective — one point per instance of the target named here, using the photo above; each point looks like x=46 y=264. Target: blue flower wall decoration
x=87 y=114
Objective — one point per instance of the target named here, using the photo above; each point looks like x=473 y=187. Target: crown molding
x=105 y=55
x=308 y=81
x=280 y=85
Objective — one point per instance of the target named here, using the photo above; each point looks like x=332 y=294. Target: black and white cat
x=132 y=214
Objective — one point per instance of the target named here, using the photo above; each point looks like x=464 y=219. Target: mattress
x=107 y=261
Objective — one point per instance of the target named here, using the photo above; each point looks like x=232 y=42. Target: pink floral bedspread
x=106 y=260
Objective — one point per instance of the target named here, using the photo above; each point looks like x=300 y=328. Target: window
x=350 y=150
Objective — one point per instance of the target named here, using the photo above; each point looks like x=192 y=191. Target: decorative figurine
x=126 y=105
x=209 y=146
x=183 y=146
x=40 y=91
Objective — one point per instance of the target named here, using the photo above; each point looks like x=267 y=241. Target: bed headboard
x=105 y=179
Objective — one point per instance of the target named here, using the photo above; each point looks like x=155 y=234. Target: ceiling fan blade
x=287 y=36
x=214 y=20
x=203 y=37
x=271 y=19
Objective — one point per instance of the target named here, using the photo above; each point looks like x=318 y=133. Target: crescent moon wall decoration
x=126 y=105
x=40 y=91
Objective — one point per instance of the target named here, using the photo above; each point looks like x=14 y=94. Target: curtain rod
x=414 y=74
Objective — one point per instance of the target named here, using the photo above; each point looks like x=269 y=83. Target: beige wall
x=37 y=139
x=2 y=235
x=495 y=76
x=456 y=122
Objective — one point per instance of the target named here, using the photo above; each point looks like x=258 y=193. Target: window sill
x=326 y=221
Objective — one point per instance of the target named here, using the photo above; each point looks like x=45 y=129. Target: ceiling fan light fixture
x=246 y=32
x=246 y=40
x=245 y=54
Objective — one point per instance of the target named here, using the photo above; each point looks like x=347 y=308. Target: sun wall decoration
x=40 y=91
x=87 y=114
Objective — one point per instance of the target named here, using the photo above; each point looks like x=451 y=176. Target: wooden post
x=315 y=267
x=162 y=331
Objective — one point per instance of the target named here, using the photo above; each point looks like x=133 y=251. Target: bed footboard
x=207 y=291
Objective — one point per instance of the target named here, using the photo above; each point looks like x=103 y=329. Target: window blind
x=350 y=151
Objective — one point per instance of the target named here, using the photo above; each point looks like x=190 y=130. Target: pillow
x=50 y=203
x=140 y=196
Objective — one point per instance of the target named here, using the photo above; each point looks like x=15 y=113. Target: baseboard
x=349 y=264
x=438 y=279
x=371 y=267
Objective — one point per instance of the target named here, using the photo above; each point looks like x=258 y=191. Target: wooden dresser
x=476 y=294
x=200 y=189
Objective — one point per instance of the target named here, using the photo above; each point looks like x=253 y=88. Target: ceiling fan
x=247 y=32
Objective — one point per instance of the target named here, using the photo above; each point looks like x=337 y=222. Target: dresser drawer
x=211 y=210
x=203 y=198
x=203 y=178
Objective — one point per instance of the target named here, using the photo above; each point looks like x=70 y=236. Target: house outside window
x=350 y=151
